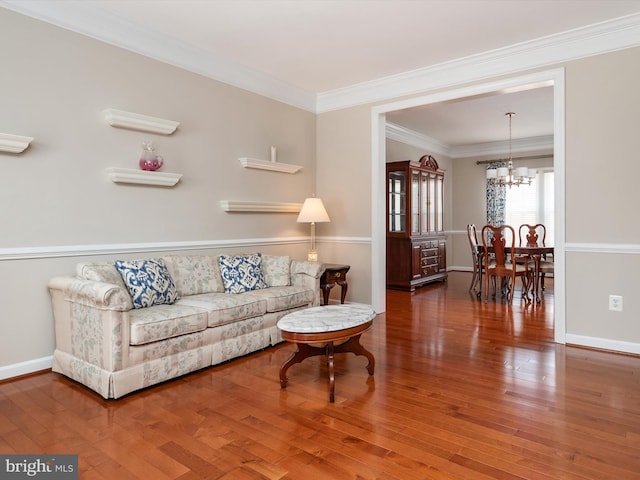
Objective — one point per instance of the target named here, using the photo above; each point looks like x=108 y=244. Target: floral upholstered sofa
x=126 y=325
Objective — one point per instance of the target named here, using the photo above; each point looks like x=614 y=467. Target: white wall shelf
x=14 y=143
x=260 y=207
x=143 y=177
x=266 y=165
x=135 y=121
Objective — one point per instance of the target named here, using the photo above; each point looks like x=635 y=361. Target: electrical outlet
x=615 y=303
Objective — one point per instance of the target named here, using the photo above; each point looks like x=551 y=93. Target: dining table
x=533 y=252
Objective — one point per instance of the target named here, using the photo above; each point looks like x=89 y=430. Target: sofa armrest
x=105 y=296
x=307 y=274
x=312 y=269
x=91 y=321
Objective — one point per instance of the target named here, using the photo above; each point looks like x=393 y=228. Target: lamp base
x=312 y=256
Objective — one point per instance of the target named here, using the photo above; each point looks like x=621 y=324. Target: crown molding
x=88 y=19
x=415 y=139
x=520 y=145
x=617 y=34
x=92 y=21
x=419 y=140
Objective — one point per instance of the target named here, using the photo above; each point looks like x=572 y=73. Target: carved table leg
x=303 y=351
x=353 y=345
x=343 y=290
x=332 y=376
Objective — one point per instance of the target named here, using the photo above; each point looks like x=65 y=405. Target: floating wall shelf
x=135 y=121
x=266 y=165
x=14 y=143
x=142 y=177
x=260 y=207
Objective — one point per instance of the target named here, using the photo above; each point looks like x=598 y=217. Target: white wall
x=57 y=200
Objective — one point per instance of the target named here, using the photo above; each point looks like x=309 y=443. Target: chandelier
x=508 y=175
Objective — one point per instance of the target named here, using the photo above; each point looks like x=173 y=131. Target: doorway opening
x=553 y=78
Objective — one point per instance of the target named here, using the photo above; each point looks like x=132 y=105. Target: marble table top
x=328 y=318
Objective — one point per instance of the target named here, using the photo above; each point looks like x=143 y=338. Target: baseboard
x=459 y=269
x=603 y=343
x=23 y=368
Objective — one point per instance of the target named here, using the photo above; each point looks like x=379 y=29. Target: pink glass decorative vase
x=149 y=160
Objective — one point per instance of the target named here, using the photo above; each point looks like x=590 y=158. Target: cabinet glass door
x=397 y=201
x=415 y=202
x=440 y=200
x=424 y=178
x=432 y=203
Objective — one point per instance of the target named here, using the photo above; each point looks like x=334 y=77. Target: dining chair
x=536 y=236
x=501 y=241
x=472 y=234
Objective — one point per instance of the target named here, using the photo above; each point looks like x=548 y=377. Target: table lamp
x=313 y=211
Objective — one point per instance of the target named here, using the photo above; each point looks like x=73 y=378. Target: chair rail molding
x=63 y=251
x=136 y=121
x=14 y=143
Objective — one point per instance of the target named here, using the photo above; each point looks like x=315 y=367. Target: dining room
x=473 y=138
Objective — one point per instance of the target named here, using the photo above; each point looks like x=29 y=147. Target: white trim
x=603 y=343
x=520 y=145
x=616 y=34
x=24 y=368
x=88 y=19
x=544 y=78
x=14 y=143
x=345 y=240
x=603 y=248
x=29 y=253
x=416 y=139
x=419 y=140
x=378 y=209
x=455 y=268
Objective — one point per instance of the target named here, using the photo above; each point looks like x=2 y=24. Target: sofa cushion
x=276 y=270
x=195 y=274
x=148 y=282
x=223 y=308
x=241 y=273
x=164 y=321
x=100 y=272
x=283 y=298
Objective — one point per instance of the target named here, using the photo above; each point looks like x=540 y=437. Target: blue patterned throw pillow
x=241 y=273
x=148 y=281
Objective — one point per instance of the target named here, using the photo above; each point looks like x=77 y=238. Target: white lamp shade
x=532 y=173
x=522 y=172
x=503 y=172
x=313 y=211
x=491 y=173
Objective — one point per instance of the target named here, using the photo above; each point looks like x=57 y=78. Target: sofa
x=126 y=325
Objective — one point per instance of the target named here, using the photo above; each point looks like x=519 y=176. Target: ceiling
x=319 y=46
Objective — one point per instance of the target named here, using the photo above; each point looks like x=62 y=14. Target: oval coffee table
x=326 y=330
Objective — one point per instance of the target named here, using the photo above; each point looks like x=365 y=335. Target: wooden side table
x=334 y=274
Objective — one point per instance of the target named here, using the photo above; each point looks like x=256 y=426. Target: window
x=532 y=204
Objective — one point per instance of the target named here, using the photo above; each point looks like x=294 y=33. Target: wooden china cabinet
x=416 y=244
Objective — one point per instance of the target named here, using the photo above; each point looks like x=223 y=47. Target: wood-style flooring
x=462 y=390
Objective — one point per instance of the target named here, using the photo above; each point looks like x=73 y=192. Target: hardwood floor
x=462 y=390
